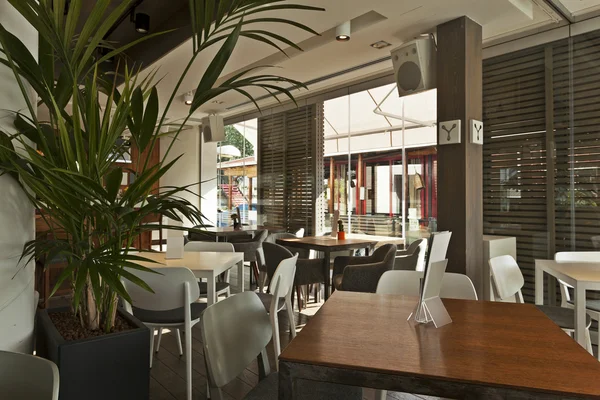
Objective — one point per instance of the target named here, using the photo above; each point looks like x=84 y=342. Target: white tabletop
x=577 y=271
x=195 y=260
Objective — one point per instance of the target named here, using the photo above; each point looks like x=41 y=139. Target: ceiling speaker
x=213 y=128
x=415 y=66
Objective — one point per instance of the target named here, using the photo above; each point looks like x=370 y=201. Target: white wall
x=17 y=223
x=186 y=170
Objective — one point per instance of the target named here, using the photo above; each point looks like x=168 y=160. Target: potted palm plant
x=66 y=164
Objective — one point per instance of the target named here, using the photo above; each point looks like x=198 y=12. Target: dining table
x=490 y=350
x=582 y=276
x=229 y=231
x=327 y=245
x=203 y=264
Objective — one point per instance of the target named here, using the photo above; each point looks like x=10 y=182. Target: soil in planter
x=69 y=327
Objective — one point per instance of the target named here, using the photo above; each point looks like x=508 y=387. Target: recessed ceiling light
x=380 y=45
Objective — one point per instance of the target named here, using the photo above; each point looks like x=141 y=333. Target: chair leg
x=256 y=272
x=151 y=345
x=276 y=343
x=188 y=362
x=262 y=279
x=179 y=343
x=160 y=329
x=588 y=341
x=290 y=311
x=299 y=299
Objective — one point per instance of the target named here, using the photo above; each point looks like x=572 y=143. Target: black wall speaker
x=415 y=66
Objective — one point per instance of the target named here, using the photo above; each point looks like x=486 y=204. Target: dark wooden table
x=490 y=351
x=327 y=244
x=227 y=231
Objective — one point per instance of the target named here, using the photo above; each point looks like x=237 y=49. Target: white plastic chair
x=171 y=305
x=222 y=288
x=237 y=330
x=508 y=280
x=592 y=306
x=27 y=377
x=281 y=289
x=454 y=286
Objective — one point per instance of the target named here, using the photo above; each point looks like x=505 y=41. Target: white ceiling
x=402 y=20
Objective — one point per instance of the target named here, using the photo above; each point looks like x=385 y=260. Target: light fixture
x=380 y=45
x=142 y=22
x=188 y=97
x=343 y=31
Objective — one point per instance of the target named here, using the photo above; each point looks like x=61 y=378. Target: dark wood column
x=460 y=166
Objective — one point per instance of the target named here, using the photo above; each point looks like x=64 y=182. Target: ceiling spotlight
x=343 y=31
x=188 y=97
x=142 y=23
x=380 y=45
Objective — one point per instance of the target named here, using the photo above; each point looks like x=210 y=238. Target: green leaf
x=217 y=65
x=113 y=183
x=149 y=122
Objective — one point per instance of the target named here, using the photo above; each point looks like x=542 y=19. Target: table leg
x=211 y=295
x=539 y=286
x=241 y=275
x=327 y=273
x=286 y=386
x=580 y=314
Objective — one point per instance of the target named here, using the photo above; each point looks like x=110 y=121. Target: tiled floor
x=168 y=371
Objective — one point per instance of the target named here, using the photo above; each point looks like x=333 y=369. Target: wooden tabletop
x=499 y=345
x=244 y=229
x=194 y=260
x=579 y=271
x=326 y=243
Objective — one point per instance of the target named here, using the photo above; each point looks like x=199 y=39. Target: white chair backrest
x=282 y=282
x=439 y=246
x=457 y=286
x=507 y=278
x=422 y=254
x=222 y=247
x=23 y=376
x=168 y=286
x=399 y=282
x=300 y=233
x=577 y=256
x=234 y=332
x=454 y=286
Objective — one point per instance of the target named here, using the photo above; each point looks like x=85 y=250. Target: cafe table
x=229 y=231
x=204 y=264
x=582 y=276
x=491 y=350
x=328 y=244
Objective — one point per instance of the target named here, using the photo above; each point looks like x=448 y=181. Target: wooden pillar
x=359 y=184
x=331 y=184
x=230 y=194
x=250 y=193
x=460 y=166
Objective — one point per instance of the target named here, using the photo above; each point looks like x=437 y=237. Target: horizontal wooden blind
x=514 y=155
x=290 y=172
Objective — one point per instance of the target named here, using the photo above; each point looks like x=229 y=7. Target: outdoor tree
x=233 y=137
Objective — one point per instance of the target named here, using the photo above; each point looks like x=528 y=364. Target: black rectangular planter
x=114 y=366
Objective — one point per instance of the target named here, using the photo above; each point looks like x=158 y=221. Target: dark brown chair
x=308 y=271
x=361 y=274
x=249 y=250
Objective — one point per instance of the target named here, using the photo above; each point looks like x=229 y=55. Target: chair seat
x=593 y=305
x=563 y=317
x=267 y=389
x=219 y=287
x=175 y=316
x=337 y=281
x=266 y=299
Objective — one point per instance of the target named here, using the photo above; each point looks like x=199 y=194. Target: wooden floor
x=168 y=371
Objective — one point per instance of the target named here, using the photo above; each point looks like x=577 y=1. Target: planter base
x=114 y=366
